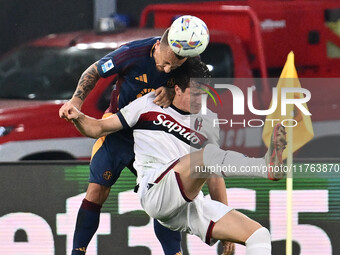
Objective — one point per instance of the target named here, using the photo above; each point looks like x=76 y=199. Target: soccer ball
x=188 y=36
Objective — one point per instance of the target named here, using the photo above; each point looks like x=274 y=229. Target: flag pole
x=303 y=132
x=289 y=192
x=289 y=181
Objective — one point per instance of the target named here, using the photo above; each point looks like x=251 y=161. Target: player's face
x=192 y=100
x=166 y=59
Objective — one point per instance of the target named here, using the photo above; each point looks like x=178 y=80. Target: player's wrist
x=76 y=102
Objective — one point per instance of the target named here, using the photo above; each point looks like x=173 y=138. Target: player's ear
x=157 y=44
x=178 y=90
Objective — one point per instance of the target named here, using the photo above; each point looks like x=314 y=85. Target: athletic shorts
x=110 y=155
x=162 y=198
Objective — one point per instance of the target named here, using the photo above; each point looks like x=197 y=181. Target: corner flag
x=297 y=136
x=303 y=131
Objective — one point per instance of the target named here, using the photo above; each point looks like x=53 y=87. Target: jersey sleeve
x=114 y=62
x=129 y=115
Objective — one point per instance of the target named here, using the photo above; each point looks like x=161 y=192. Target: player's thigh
x=235 y=227
x=110 y=158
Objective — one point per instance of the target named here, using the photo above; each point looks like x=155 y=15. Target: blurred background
x=25 y=20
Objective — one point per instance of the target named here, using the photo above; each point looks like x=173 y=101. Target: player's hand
x=163 y=98
x=74 y=114
x=69 y=112
x=228 y=248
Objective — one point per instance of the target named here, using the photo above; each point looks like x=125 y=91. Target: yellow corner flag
x=297 y=136
x=303 y=131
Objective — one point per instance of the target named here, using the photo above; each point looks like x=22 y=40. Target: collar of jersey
x=151 y=51
x=179 y=110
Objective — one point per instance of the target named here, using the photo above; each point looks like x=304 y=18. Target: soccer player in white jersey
x=167 y=190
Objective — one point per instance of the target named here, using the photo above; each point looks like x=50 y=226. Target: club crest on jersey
x=173 y=126
x=198 y=123
x=107 y=175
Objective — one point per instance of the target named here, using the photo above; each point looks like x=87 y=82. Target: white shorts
x=163 y=199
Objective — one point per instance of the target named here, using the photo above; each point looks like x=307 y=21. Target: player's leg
x=88 y=217
x=170 y=240
x=110 y=156
x=273 y=156
x=238 y=228
x=233 y=226
x=194 y=167
x=230 y=163
x=107 y=162
x=208 y=219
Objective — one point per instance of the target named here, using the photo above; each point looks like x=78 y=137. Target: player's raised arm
x=92 y=127
x=86 y=83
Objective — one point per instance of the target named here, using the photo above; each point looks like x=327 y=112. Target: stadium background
x=50 y=193
x=24 y=20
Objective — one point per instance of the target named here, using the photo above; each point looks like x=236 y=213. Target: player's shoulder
x=148 y=97
x=142 y=42
x=139 y=46
x=146 y=100
x=139 y=106
x=209 y=115
x=134 y=51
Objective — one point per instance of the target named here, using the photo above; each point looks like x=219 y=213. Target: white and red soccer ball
x=188 y=36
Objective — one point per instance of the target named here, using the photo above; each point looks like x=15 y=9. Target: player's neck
x=179 y=106
x=183 y=112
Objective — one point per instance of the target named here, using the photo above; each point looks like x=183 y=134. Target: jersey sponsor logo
x=142 y=78
x=107 y=66
x=173 y=126
x=162 y=122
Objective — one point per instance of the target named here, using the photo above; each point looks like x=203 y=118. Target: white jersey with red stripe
x=164 y=134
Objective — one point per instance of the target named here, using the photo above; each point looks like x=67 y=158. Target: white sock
x=259 y=243
x=231 y=163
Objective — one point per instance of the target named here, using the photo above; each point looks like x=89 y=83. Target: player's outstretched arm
x=86 y=83
x=92 y=127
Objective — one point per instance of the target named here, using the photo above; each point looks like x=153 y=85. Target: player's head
x=166 y=60
x=188 y=91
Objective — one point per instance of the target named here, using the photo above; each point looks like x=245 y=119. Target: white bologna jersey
x=164 y=134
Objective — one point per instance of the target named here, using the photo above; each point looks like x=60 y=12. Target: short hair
x=164 y=38
x=164 y=42
x=192 y=68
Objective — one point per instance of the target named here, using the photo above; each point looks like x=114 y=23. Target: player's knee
x=260 y=237
x=97 y=193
